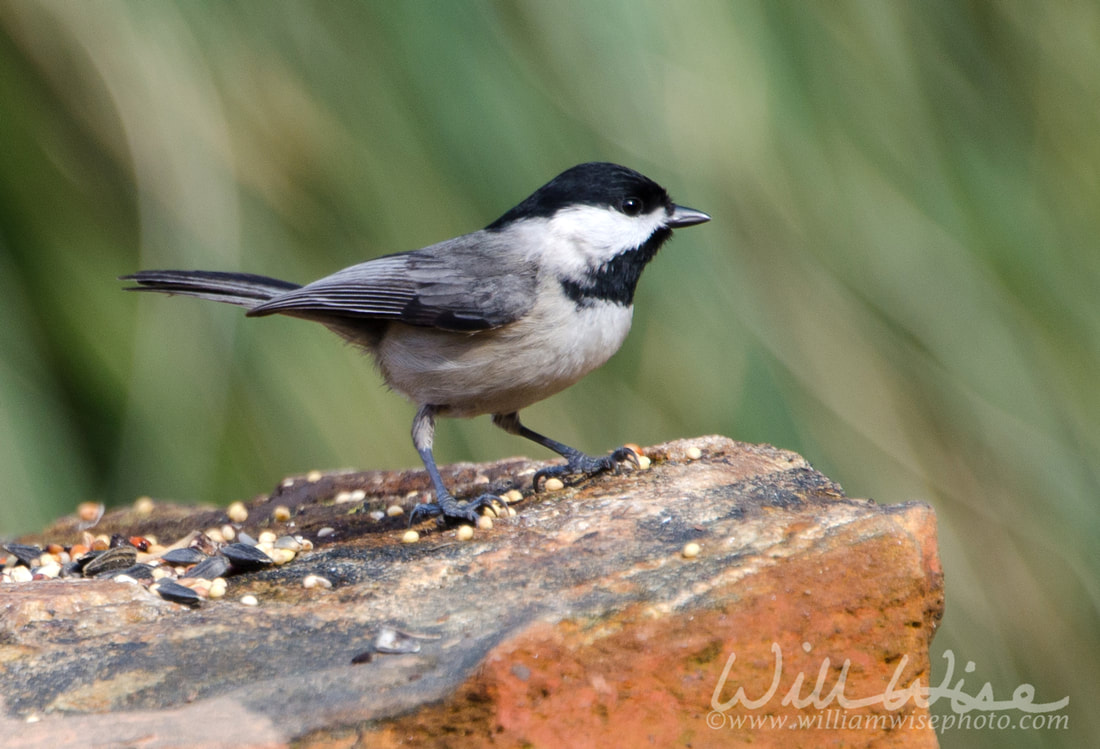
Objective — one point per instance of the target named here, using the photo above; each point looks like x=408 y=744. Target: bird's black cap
x=596 y=183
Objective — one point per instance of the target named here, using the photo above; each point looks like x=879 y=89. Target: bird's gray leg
x=577 y=463
x=445 y=505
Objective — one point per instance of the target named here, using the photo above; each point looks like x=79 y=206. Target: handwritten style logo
x=892 y=698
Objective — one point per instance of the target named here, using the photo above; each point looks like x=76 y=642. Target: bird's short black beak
x=683 y=216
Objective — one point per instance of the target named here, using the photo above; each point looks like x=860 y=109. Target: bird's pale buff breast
x=506 y=369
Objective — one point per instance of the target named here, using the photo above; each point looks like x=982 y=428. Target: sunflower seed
x=184 y=556
x=209 y=568
x=137 y=572
x=172 y=591
x=395 y=642
x=288 y=542
x=118 y=558
x=26 y=554
x=244 y=557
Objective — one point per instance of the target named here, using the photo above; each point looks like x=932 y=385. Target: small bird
x=489 y=322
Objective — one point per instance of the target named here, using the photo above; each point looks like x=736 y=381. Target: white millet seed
x=237 y=512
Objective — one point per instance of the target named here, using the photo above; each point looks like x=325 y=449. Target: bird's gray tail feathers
x=243 y=289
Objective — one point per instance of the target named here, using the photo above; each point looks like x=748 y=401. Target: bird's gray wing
x=463 y=284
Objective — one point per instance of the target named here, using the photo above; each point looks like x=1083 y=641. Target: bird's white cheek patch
x=599 y=234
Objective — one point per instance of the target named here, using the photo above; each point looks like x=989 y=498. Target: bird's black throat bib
x=616 y=280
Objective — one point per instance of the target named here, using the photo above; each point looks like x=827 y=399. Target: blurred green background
x=900 y=282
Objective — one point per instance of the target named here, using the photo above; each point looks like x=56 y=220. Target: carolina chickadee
x=489 y=322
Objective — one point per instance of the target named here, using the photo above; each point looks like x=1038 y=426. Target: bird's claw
x=447 y=508
x=586 y=465
x=624 y=454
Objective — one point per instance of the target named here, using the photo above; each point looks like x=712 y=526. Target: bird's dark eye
x=631 y=206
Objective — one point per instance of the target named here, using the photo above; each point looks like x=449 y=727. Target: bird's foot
x=447 y=508
x=579 y=464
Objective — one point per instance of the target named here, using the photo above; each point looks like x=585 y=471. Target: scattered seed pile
x=191 y=569
x=197 y=566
